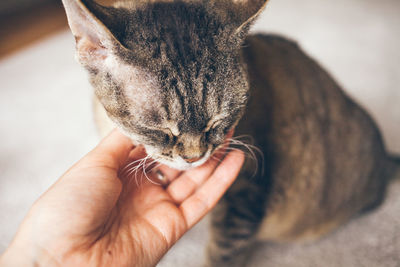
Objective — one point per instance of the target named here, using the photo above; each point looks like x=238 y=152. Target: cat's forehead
x=156 y=103
x=178 y=30
x=173 y=69
x=139 y=86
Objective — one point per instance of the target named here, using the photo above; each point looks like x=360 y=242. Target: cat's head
x=168 y=73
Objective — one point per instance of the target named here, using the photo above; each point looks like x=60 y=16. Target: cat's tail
x=394 y=167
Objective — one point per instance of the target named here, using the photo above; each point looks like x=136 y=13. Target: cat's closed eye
x=215 y=136
x=169 y=137
x=212 y=124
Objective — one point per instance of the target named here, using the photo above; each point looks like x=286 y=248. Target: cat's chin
x=180 y=164
x=175 y=163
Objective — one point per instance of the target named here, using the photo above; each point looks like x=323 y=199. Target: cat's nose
x=191 y=160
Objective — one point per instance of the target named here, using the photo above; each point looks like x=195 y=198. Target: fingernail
x=161 y=177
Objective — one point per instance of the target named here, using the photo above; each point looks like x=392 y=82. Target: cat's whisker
x=130 y=174
x=136 y=178
x=145 y=174
x=132 y=165
x=243 y=137
x=252 y=150
x=140 y=167
x=151 y=163
x=155 y=167
x=134 y=170
x=255 y=159
x=128 y=167
x=229 y=149
x=247 y=147
x=216 y=158
x=246 y=154
x=144 y=165
x=238 y=142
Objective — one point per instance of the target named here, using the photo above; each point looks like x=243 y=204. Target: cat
x=178 y=76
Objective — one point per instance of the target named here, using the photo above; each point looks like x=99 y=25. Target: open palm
x=97 y=215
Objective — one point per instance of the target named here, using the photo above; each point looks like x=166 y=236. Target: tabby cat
x=177 y=76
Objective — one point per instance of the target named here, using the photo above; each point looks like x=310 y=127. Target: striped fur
x=164 y=71
x=175 y=77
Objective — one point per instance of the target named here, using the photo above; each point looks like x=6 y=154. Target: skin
x=94 y=216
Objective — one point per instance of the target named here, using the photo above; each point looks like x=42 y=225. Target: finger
x=137 y=153
x=168 y=173
x=113 y=150
x=201 y=202
x=188 y=182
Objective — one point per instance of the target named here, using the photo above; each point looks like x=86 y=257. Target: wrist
x=16 y=257
x=22 y=253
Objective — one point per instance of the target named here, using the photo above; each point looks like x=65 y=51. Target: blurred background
x=25 y=21
x=46 y=120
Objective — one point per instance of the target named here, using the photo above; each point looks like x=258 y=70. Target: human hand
x=94 y=216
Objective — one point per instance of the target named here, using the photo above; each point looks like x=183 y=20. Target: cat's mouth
x=181 y=164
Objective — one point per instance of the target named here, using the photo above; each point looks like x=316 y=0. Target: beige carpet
x=46 y=124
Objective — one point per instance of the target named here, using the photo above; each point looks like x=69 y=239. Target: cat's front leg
x=235 y=222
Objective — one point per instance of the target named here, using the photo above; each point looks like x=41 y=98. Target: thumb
x=91 y=185
x=96 y=174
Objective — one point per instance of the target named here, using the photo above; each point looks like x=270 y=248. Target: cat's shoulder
x=273 y=46
x=271 y=40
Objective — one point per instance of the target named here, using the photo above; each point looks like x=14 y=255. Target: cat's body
x=324 y=160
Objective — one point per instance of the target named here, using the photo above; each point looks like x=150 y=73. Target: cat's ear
x=94 y=40
x=241 y=13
